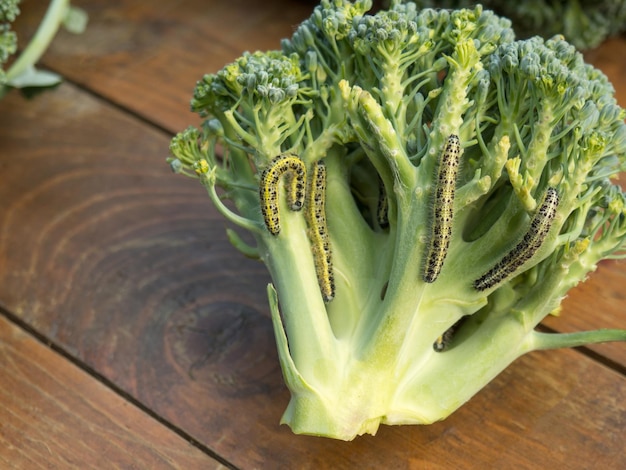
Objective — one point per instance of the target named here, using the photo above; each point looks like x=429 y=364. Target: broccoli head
x=423 y=188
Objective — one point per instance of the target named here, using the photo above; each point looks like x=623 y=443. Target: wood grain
x=54 y=415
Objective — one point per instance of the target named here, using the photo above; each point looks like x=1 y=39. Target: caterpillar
x=382 y=210
x=442 y=343
x=315 y=214
x=531 y=242
x=443 y=208
x=295 y=171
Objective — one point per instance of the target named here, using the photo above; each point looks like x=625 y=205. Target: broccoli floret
x=424 y=190
x=9 y=9
x=584 y=23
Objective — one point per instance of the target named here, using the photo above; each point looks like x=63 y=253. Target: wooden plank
x=149 y=59
x=54 y=415
x=127 y=268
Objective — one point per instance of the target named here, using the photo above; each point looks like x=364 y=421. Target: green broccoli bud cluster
x=584 y=23
x=9 y=10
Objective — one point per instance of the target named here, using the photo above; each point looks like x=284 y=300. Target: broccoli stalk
x=457 y=186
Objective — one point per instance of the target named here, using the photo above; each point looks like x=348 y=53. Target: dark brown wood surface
x=163 y=351
x=55 y=415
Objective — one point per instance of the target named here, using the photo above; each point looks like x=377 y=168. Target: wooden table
x=132 y=335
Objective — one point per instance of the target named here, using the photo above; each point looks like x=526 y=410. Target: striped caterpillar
x=315 y=214
x=443 y=208
x=295 y=172
x=527 y=247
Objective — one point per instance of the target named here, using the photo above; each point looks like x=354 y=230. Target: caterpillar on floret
x=531 y=242
x=294 y=171
x=443 y=209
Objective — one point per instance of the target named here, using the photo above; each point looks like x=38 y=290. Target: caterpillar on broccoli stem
x=531 y=242
x=295 y=172
x=442 y=343
x=315 y=213
x=443 y=209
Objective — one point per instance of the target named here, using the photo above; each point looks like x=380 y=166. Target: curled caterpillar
x=531 y=242
x=315 y=213
x=443 y=208
x=294 y=171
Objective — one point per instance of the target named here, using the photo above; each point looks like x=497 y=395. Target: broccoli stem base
x=349 y=394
